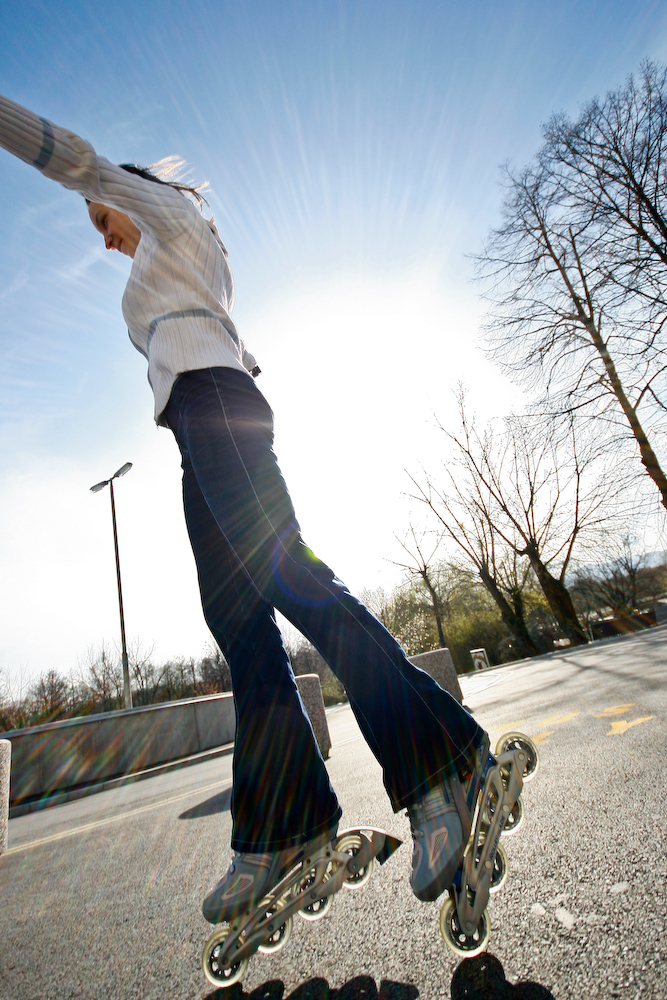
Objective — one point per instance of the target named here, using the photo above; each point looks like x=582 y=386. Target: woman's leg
x=275 y=802
x=416 y=730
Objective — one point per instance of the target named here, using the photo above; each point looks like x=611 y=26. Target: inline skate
x=493 y=798
x=308 y=889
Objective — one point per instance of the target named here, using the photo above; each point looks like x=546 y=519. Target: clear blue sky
x=353 y=152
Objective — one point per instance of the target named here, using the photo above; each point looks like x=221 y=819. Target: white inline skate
x=496 y=808
x=308 y=889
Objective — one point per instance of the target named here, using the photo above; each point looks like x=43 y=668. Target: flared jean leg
x=415 y=729
x=281 y=790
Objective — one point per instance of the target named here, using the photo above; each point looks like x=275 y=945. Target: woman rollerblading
x=252 y=560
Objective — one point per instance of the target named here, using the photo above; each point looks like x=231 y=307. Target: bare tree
x=625 y=582
x=577 y=272
x=104 y=678
x=50 y=696
x=502 y=571
x=471 y=617
x=529 y=491
x=214 y=671
x=15 y=702
x=179 y=679
x=609 y=169
x=147 y=677
x=421 y=568
x=404 y=613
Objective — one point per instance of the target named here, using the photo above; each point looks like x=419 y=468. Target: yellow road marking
x=621 y=726
x=615 y=710
x=511 y=727
x=556 y=720
x=542 y=737
x=96 y=824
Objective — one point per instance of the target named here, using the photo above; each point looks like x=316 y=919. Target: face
x=118 y=230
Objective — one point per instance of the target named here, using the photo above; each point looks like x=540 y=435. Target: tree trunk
x=437 y=609
x=648 y=456
x=512 y=618
x=558 y=598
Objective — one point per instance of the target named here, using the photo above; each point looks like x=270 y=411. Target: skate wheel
x=350 y=843
x=500 y=870
x=318 y=908
x=515 y=819
x=519 y=741
x=462 y=944
x=217 y=974
x=280 y=933
x=500 y=867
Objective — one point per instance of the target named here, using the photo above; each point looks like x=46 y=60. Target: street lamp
x=127 y=690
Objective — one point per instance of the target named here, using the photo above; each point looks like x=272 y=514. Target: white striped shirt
x=180 y=293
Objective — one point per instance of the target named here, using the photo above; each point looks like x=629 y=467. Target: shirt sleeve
x=250 y=362
x=65 y=157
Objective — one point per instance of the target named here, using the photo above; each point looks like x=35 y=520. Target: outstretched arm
x=70 y=160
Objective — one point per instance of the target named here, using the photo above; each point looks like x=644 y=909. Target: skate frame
x=314 y=878
x=502 y=788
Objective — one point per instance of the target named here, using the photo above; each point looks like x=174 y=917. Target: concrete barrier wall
x=75 y=752
x=83 y=751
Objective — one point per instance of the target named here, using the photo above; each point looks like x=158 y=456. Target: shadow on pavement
x=217 y=804
x=483 y=978
x=359 y=988
x=479 y=978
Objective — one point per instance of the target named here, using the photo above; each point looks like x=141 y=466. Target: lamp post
x=127 y=690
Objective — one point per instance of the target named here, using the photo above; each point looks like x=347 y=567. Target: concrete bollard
x=440 y=665
x=5 y=766
x=310 y=690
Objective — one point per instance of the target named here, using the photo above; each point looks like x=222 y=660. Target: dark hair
x=173 y=163
x=194 y=190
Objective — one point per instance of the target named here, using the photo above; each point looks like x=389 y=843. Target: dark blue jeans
x=251 y=559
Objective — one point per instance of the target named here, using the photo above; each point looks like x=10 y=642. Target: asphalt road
x=100 y=897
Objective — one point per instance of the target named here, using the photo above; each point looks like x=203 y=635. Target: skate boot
x=248 y=879
x=492 y=789
x=259 y=895
x=440 y=834
x=441 y=822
